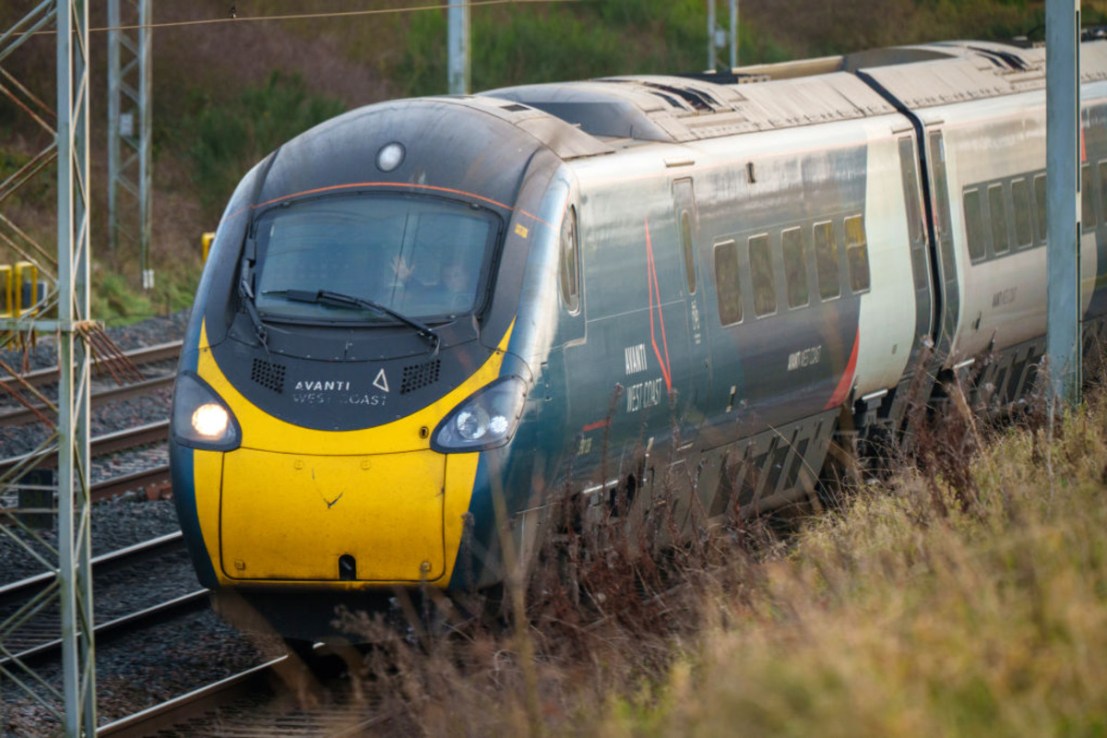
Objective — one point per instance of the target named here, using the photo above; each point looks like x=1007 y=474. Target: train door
x=945 y=254
x=695 y=393
x=920 y=263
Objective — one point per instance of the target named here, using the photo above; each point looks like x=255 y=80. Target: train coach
x=698 y=285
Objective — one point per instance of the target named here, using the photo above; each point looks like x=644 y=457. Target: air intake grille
x=268 y=375
x=418 y=376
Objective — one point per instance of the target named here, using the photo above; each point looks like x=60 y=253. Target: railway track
x=21 y=415
x=156 y=619
x=33 y=639
x=146 y=355
x=104 y=444
x=256 y=702
x=26 y=412
x=108 y=443
x=266 y=700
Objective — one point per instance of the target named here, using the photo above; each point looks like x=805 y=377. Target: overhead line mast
x=70 y=558
x=1063 y=154
x=129 y=134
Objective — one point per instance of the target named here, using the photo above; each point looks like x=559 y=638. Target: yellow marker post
x=7 y=299
x=205 y=246
x=25 y=286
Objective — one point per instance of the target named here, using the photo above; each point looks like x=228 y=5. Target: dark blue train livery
x=691 y=284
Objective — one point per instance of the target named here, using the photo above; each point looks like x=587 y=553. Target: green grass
x=225 y=140
x=116 y=301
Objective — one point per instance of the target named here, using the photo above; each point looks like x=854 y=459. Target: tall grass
x=903 y=615
x=958 y=604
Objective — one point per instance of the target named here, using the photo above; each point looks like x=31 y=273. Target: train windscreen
x=423 y=258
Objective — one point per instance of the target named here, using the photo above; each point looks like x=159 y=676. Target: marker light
x=487 y=419
x=200 y=418
x=390 y=156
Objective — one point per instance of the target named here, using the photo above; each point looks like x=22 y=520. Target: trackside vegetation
x=919 y=608
x=966 y=602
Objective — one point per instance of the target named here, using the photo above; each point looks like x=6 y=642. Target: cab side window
x=1087 y=199
x=1040 y=206
x=570 y=262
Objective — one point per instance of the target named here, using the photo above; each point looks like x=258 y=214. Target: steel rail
x=138 y=480
x=108 y=443
x=103 y=563
x=103 y=632
x=199 y=701
x=145 y=355
x=25 y=414
x=248 y=704
x=18 y=595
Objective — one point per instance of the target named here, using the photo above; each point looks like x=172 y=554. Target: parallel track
x=37 y=639
x=146 y=355
x=100 y=445
x=44 y=377
x=248 y=705
x=26 y=415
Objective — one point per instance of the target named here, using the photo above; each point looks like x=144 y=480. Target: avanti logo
x=319 y=385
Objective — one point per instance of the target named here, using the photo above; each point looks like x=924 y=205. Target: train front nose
x=295 y=517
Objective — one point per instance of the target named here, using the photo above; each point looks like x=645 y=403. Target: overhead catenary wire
x=239 y=18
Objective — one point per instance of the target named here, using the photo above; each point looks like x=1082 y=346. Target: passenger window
x=727 y=283
x=1040 y=205
x=1087 y=199
x=826 y=261
x=795 y=267
x=997 y=210
x=1024 y=231
x=857 y=253
x=761 y=270
x=689 y=256
x=974 y=225
x=570 y=262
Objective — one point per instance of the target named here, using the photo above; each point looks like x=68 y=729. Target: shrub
x=227 y=139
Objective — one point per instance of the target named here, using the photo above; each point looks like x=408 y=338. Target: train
x=425 y=323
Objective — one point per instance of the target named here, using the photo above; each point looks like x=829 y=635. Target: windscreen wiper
x=246 y=292
x=340 y=299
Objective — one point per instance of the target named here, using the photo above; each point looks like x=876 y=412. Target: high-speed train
x=423 y=308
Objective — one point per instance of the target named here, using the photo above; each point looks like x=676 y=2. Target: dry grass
x=918 y=607
x=979 y=611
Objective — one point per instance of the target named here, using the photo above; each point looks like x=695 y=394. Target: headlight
x=200 y=418
x=486 y=420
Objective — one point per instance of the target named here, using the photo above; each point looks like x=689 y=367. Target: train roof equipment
x=791 y=94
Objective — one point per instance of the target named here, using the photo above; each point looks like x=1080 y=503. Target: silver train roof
x=772 y=96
